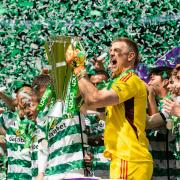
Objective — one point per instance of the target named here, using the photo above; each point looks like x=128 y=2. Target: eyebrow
x=116 y=49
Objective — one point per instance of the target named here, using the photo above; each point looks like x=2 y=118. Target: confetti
x=25 y=26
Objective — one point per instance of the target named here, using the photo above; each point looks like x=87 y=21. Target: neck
x=162 y=93
x=125 y=69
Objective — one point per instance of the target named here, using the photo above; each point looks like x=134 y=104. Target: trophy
x=61 y=73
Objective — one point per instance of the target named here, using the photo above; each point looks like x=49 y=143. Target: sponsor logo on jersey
x=35 y=147
x=59 y=127
x=54 y=123
x=34 y=139
x=15 y=139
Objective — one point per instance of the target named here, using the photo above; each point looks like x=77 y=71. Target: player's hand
x=150 y=90
x=171 y=107
x=40 y=176
x=1 y=110
x=45 y=71
x=75 y=58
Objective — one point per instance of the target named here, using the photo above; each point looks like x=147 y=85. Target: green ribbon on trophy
x=70 y=107
x=45 y=98
x=49 y=95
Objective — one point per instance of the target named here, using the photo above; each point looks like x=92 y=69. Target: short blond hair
x=132 y=46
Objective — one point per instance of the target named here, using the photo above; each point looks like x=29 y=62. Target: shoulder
x=129 y=79
x=134 y=80
x=8 y=119
x=8 y=115
x=128 y=86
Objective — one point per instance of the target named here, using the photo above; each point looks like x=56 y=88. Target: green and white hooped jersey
x=19 y=161
x=65 y=148
x=3 y=159
x=101 y=165
x=34 y=153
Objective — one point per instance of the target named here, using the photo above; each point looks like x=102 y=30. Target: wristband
x=80 y=73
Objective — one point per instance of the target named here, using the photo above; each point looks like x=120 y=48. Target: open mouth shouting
x=113 y=61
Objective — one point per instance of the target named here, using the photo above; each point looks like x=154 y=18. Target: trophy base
x=57 y=110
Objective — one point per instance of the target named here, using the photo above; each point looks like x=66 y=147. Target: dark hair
x=23 y=85
x=132 y=46
x=164 y=72
x=41 y=80
x=175 y=71
x=34 y=93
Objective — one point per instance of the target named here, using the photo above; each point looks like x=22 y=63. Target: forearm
x=152 y=106
x=154 y=121
x=7 y=100
x=176 y=111
x=42 y=164
x=2 y=131
x=94 y=98
x=88 y=91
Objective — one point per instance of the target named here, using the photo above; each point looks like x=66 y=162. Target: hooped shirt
x=65 y=153
x=21 y=164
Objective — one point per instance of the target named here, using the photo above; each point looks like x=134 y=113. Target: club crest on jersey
x=34 y=139
x=54 y=123
x=118 y=88
x=18 y=132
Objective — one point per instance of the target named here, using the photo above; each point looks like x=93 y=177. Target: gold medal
x=169 y=125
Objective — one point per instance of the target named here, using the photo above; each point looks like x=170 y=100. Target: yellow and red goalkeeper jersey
x=125 y=135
